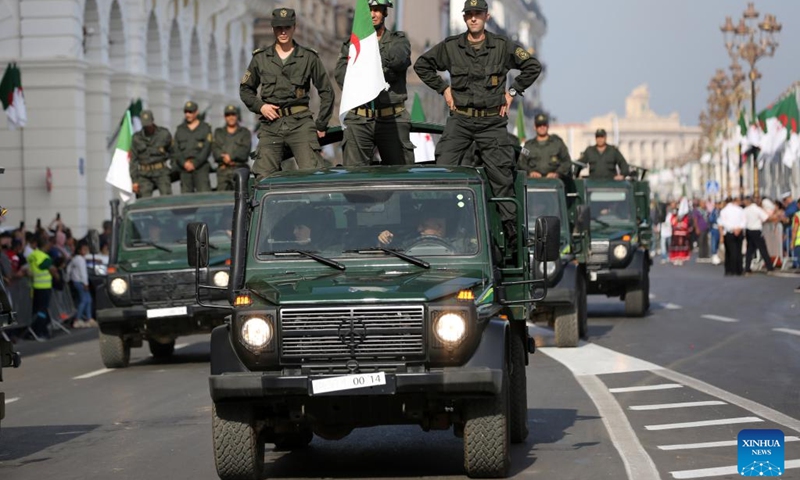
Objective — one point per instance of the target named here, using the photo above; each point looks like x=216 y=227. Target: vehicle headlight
x=256 y=332
x=620 y=252
x=221 y=279
x=118 y=286
x=549 y=267
x=450 y=328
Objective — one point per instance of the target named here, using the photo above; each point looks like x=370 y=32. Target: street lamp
x=751 y=41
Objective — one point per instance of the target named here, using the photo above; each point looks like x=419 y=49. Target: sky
x=596 y=53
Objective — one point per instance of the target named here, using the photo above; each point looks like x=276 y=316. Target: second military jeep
x=621 y=234
x=372 y=296
x=149 y=292
x=564 y=307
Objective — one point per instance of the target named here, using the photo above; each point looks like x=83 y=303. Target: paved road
x=716 y=355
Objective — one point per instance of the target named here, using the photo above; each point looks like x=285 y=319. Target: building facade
x=82 y=63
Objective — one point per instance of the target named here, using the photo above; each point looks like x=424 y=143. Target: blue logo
x=761 y=453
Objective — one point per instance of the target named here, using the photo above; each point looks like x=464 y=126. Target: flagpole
x=22 y=169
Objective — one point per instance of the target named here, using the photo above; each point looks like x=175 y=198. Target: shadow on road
x=549 y=425
x=22 y=442
x=195 y=353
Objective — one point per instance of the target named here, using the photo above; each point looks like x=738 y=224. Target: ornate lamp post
x=751 y=41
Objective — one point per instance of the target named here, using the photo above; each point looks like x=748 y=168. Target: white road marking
x=92 y=374
x=720 y=318
x=11 y=400
x=181 y=345
x=720 y=471
x=724 y=443
x=665 y=406
x=671 y=306
x=645 y=388
x=704 y=423
x=787 y=330
x=591 y=359
x=638 y=463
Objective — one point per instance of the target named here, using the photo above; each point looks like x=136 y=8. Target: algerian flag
x=364 y=78
x=12 y=98
x=119 y=174
x=780 y=124
x=519 y=128
x=424 y=149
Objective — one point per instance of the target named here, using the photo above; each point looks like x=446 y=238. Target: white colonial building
x=82 y=63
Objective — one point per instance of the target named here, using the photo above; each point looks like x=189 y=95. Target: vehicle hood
x=612 y=232
x=149 y=260
x=356 y=287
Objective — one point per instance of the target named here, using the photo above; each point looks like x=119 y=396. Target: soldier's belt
x=289 y=111
x=223 y=166
x=478 y=112
x=152 y=167
x=392 y=111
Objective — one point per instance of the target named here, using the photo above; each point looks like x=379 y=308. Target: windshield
x=609 y=207
x=167 y=226
x=543 y=203
x=419 y=222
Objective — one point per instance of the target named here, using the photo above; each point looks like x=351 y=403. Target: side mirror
x=583 y=219
x=93 y=239
x=197 y=244
x=547 y=243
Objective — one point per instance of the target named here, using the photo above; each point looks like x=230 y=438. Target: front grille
x=363 y=333
x=164 y=288
x=599 y=252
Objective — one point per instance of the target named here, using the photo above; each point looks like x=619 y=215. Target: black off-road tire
x=518 y=419
x=487 y=442
x=294 y=440
x=115 y=351
x=583 y=307
x=637 y=298
x=567 y=328
x=238 y=451
x=161 y=351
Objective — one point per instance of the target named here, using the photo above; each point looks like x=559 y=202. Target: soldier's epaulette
x=553 y=135
x=400 y=33
x=257 y=51
x=452 y=38
x=311 y=50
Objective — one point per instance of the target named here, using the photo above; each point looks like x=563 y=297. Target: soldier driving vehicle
x=231 y=148
x=363 y=329
x=478 y=62
x=149 y=293
x=605 y=161
x=151 y=147
x=546 y=155
x=284 y=71
x=191 y=150
x=384 y=122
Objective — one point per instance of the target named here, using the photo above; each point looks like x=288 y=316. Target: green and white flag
x=424 y=149
x=12 y=98
x=364 y=78
x=119 y=173
x=136 y=113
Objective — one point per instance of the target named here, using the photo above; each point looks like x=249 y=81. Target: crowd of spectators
x=47 y=270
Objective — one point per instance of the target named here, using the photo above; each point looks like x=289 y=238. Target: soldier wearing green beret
x=285 y=71
x=605 y=161
x=151 y=147
x=383 y=123
x=546 y=155
x=231 y=148
x=478 y=62
x=192 y=147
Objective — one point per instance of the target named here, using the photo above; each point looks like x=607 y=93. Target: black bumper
x=198 y=319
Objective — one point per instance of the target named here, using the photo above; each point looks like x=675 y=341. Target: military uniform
x=286 y=83
x=603 y=165
x=193 y=145
x=545 y=157
x=149 y=155
x=384 y=122
x=478 y=86
x=236 y=145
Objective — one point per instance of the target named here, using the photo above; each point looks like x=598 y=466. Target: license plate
x=347 y=382
x=167 y=312
x=593 y=276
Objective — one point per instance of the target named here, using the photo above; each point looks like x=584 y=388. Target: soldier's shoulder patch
x=257 y=51
x=246 y=77
x=522 y=54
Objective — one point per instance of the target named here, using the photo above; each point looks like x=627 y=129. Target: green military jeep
x=621 y=234
x=8 y=357
x=372 y=296
x=149 y=293
x=565 y=305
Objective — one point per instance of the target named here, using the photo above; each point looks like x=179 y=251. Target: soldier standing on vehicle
x=384 y=122
x=151 y=147
x=284 y=71
x=478 y=62
x=605 y=161
x=546 y=155
x=192 y=148
x=231 y=148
